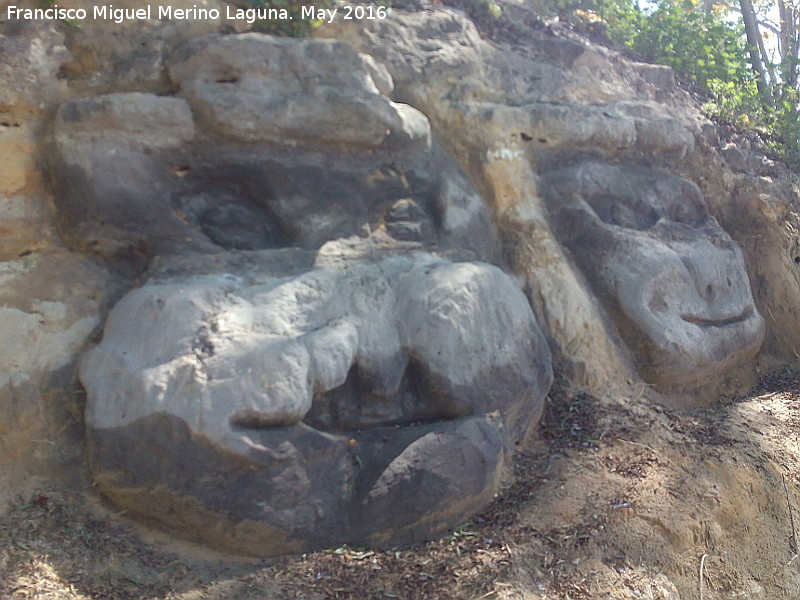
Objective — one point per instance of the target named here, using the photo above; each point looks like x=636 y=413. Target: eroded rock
x=112 y=182
x=49 y=306
x=344 y=384
x=138 y=175
x=33 y=52
x=254 y=87
x=515 y=113
x=310 y=377
x=674 y=279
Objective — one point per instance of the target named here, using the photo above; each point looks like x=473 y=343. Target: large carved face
x=277 y=383
x=672 y=278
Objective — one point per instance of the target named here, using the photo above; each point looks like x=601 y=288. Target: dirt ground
x=617 y=498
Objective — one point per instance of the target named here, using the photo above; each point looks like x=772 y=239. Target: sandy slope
x=618 y=498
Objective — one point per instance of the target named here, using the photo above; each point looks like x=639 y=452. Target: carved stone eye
x=622 y=215
x=639 y=216
x=685 y=213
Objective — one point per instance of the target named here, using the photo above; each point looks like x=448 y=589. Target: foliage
x=483 y=12
x=701 y=46
x=297 y=25
x=736 y=102
x=711 y=53
x=784 y=122
x=708 y=50
x=621 y=19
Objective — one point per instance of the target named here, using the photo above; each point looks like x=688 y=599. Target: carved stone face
x=672 y=278
x=279 y=382
x=356 y=393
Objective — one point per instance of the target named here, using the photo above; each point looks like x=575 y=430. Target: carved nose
x=722 y=287
x=712 y=278
x=722 y=241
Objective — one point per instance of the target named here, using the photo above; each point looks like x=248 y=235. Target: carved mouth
x=705 y=322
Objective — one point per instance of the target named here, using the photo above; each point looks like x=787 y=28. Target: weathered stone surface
x=17 y=149
x=262 y=353
x=138 y=120
x=26 y=226
x=514 y=113
x=406 y=222
x=272 y=362
x=661 y=76
x=49 y=305
x=579 y=126
x=134 y=177
x=675 y=280
x=497 y=109
x=432 y=481
x=130 y=55
x=319 y=323
x=363 y=421
x=258 y=88
x=395 y=443
x=264 y=197
x=33 y=52
x=759 y=212
x=113 y=186
x=444 y=307
x=660 y=133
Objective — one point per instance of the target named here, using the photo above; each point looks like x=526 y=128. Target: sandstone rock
x=130 y=55
x=49 y=305
x=439 y=43
x=33 y=52
x=32 y=55
x=407 y=222
x=736 y=158
x=253 y=87
x=112 y=185
x=434 y=299
x=295 y=363
x=674 y=279
x=661 y=76
x=17 y=149
x=136 y=120
x=431 y=482
x=576 y=126
x=513 y=113
x=134 y=178
x=380 y=75
x=585 y=345
x=26 y=226
x=431 y=307
x=658 y=133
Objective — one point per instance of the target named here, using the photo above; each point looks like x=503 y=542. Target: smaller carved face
x=673 y=280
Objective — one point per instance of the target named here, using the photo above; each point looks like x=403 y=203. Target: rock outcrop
x=256 y=88
x=137 y=174
x=51 y=299
x=673 y=279
x=317 y=379
x=321 y=388
x=344 y=265
x=517 y=115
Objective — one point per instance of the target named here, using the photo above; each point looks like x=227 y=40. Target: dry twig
x=702 y=573
x=794 y=545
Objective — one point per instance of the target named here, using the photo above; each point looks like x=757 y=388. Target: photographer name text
x=109 y=12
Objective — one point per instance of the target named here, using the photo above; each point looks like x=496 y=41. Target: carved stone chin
x=673 y=280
